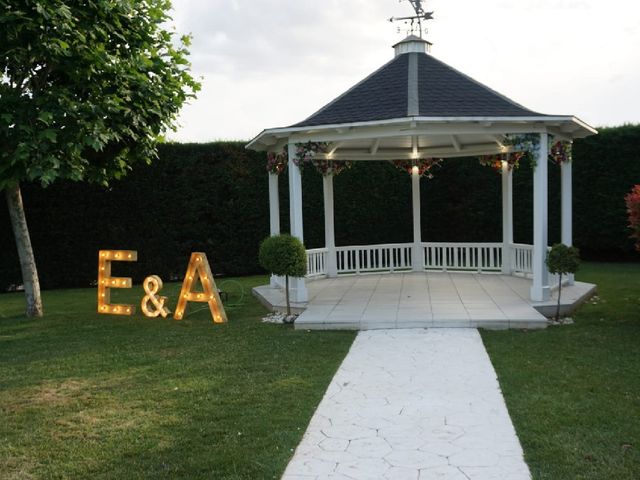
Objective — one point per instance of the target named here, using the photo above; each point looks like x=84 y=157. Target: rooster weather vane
x=414 y=22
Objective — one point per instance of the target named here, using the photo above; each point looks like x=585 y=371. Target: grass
x=84 y=395
x=93 y=396
x=573 y=392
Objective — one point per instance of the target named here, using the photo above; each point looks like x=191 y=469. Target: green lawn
x=84 y=395
x=91 y=396
x=573 y=392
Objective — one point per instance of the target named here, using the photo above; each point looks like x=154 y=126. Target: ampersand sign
x=152 y=285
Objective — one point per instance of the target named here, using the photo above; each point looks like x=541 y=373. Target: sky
x=272 y=63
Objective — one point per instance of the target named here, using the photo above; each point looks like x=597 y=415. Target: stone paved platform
x=424 y=300
x=415 y=404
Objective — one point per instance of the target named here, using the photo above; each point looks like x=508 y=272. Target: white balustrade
x=522 y=259
x=478 y=257
x=473 y=257
x=316 y=262
x=374 y=258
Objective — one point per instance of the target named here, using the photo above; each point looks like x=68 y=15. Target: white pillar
x=329 y=231
x=274 y=216
x=274 y=205
x=567 y=209
x=507 y=219
x=417 y=258
x=297 y=285
x=540 y=288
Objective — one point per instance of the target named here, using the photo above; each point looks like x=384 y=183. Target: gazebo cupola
x=418 y=110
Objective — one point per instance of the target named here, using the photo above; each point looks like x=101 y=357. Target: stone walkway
x=416 y=404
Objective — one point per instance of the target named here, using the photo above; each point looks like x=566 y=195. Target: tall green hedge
x=214 y=198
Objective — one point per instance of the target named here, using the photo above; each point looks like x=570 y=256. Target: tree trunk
x=559 y=293
x=286 y=294
x=25 y=252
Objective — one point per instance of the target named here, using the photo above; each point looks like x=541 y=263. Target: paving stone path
x=412 y=404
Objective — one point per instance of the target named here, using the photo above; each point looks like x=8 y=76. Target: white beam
x=407 y=131
x=540 y=289
x=567 y=207
x=274 y=216
x=298 y=287
x=334 y=147
x=417 y=257
x=507 y=219
x=374 y=146
x=408 y=153
x=329 y=230
x=456 y=143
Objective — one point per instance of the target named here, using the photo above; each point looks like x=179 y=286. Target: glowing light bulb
x=117 y=255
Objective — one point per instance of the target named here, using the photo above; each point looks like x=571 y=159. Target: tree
x=87 y=88
x=562 y=260
x=632 y=199
x=284 y=255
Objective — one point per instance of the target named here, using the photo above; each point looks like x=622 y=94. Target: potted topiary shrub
x=562 y=260
x=284 y=255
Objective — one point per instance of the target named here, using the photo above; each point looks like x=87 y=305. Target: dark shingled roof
x=442 y=92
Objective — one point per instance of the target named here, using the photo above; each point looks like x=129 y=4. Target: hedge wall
x=214 y=198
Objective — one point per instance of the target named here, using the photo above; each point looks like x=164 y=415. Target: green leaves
x=562 y=259
x=81 y=77
x=283 y=255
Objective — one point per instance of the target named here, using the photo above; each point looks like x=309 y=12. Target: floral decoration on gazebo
x=495 y=161
x=306 y=155
x=560 y=152
x=277 y=162
x=424 y=165
x=526 y=147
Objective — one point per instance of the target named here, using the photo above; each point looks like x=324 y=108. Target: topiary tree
x=562 y=260
x=86 y=91
x=286 y=256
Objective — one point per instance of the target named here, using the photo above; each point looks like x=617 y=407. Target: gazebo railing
x=437 y=256
x=480 y=257
x=390 y=257
x=317 y=262
x=522 y=258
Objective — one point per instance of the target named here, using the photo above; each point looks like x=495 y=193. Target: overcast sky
x=272 y=63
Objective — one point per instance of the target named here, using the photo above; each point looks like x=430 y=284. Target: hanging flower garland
x=495 y=161
x=306 y=153
x=560 y=152
x=277 y=162
x=424 y=165
x=527 y=147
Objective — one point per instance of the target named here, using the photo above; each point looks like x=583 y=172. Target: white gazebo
x=414 y=108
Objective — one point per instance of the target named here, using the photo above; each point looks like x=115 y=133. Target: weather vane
x=415 y=21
